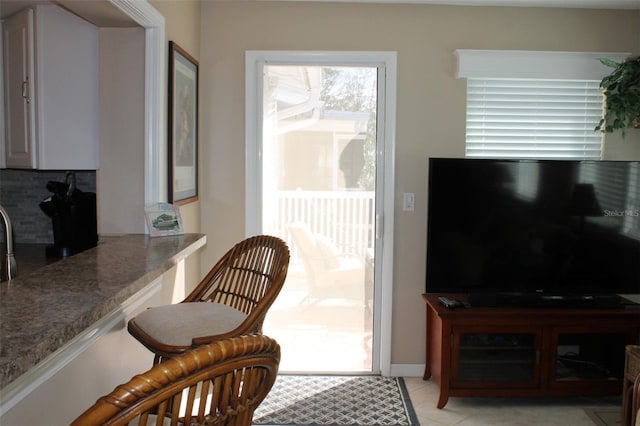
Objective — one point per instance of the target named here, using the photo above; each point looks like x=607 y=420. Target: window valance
x=534 y=64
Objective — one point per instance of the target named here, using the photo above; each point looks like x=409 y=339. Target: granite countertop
x=43 y=309
x=29 y=257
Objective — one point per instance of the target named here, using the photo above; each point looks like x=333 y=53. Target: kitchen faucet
x=10 y=263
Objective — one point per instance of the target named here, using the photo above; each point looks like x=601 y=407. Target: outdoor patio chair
x=331 y=273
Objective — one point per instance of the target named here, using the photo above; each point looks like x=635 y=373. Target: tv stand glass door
x=507 y=355
x=593 y=355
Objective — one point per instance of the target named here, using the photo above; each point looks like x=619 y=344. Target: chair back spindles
x=246 y=275
x=243 y=276
x=220 y=383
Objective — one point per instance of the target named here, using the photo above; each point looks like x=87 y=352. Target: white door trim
x=254 y=62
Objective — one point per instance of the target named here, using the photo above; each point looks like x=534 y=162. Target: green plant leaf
x=609 y=62
x=621 y=89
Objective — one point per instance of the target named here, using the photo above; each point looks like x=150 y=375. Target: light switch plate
x=409 y=202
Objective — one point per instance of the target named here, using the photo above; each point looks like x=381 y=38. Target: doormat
x=337 y=400
x=609 y=416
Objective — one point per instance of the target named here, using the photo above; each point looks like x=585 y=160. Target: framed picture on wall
x=183 y=126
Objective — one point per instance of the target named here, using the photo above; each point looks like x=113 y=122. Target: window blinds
x=533 y=118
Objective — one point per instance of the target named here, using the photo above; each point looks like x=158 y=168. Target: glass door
x=318 y=194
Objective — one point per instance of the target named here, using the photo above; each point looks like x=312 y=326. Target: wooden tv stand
x=524 y=352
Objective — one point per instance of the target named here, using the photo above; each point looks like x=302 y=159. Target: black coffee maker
x=73 y=215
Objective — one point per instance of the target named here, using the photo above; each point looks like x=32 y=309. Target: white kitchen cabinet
x=51 y=90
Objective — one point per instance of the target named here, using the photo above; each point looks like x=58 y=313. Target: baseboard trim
x=407 y=370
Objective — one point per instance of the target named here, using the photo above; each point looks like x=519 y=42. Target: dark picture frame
x=183 y=126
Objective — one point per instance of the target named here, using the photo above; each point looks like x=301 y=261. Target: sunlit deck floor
x=329 y=336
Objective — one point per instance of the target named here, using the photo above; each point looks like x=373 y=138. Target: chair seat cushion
x=177 y=324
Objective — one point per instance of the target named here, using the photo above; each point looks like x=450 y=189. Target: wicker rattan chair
x=635 y=404
x=221 y=383
x=232 y=300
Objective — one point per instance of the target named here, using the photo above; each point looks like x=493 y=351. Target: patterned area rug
x=337 y=400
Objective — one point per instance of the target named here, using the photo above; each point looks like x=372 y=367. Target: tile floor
x=503 y=411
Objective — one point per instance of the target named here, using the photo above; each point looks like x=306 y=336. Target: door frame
x=386 y=62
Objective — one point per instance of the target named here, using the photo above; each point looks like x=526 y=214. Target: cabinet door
x=67 y=70
x=19 y=91
x=496 y=357
x=590 y=357
x=51 y=90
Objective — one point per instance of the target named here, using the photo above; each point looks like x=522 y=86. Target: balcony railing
x=346 y=217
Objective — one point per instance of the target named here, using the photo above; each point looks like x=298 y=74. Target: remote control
x=449 y=303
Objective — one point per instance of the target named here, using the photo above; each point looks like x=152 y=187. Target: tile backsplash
x=21 y=192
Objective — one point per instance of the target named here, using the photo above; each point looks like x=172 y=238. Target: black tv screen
x=550 y=229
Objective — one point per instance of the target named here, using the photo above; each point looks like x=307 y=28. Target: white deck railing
x=346 y=217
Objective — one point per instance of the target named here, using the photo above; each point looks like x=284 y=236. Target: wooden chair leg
x=635 y=401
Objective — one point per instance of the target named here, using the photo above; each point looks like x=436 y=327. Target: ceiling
x=104 y=14
x=583 y=4
x=99 y=12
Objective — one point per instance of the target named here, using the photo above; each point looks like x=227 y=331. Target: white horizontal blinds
x=612 y=182
x=533 y=118
x=632 y=210
x=618 y=194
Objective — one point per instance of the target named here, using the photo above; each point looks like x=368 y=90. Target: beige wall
x=182 y=26
x=121 y=132
x=430 y=101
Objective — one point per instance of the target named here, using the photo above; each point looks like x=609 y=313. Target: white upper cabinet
x=18 y=90
x=51 y=90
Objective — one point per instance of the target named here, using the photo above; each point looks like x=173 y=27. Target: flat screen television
x=534 y=232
